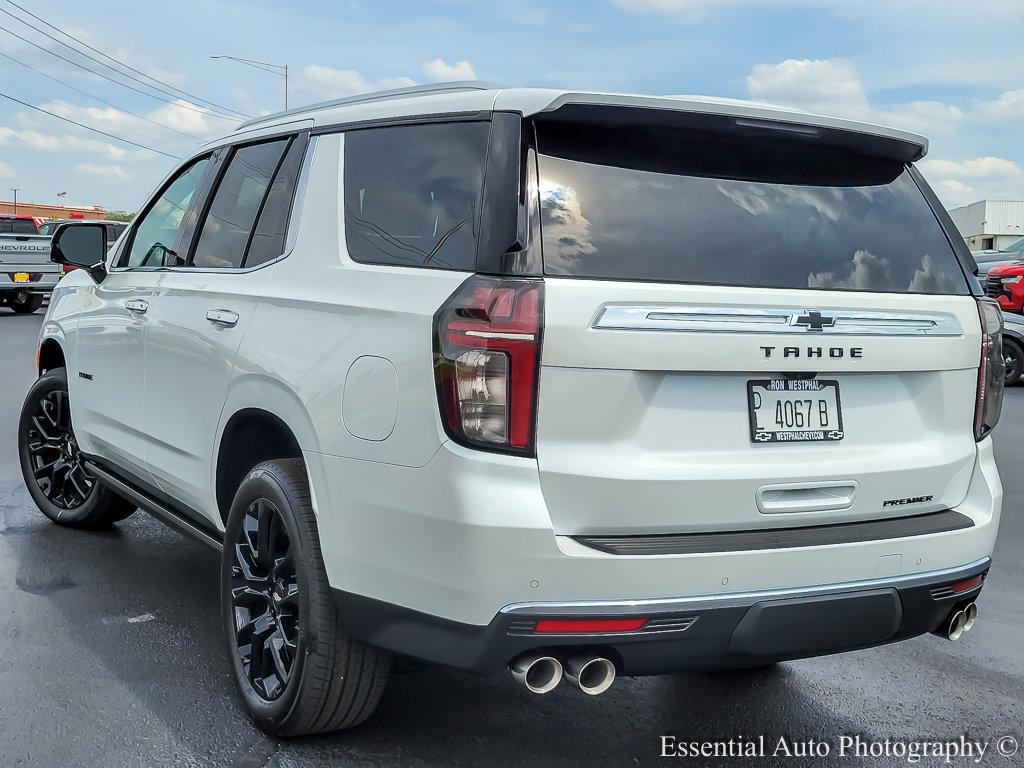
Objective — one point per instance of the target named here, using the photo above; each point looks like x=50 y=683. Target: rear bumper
x=691 y=633
x=39 y=282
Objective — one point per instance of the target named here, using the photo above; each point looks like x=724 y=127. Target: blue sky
x=952 y=70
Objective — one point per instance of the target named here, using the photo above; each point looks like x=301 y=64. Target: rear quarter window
x=412 y=194
x=673 y=208
x=18 y=227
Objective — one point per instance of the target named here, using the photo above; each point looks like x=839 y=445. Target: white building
x=990 y=224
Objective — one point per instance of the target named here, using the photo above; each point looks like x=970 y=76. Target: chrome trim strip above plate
x=657 y=606
x=786 y=320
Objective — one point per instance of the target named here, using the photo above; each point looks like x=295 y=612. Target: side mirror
x=80 y=246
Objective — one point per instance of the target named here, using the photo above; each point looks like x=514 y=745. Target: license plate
x=21 y=277
x=794 y=410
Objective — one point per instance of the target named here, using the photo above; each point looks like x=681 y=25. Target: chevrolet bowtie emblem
x=813 y=321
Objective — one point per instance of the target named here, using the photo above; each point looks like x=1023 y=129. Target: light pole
x=277 y=69
x=15 y=191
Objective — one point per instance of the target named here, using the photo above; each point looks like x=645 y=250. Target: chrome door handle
x=222 y=317
x=136 y=305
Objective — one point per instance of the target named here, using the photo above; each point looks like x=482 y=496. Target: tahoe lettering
x=815 y=352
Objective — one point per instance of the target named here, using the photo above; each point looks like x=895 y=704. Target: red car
x=17 y=225
x=1005 y=284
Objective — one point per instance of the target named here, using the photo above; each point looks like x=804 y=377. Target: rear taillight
x=487 y=353
x=992 y=371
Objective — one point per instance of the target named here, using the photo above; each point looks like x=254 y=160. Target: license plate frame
x=761 y=436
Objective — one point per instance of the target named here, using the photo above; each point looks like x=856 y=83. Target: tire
x=28 y=305
x=1014 y=356
x=67 y=493
x=296 y=668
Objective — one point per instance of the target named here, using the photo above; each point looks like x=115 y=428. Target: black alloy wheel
x=264 y=596
x=53 y=465
x=56 y=462
x=297 y=670
x=1014 y=361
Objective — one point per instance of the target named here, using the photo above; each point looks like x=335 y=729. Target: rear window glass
x=18 y=227
x=693 y=209
x=412 y=194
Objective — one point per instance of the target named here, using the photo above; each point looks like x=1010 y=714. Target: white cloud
x=829 y=86
x=955 y=192
x=325 y=82
x=109 y=171
x=6 y=172
x=980 y=168
x=181 y=115
x=47 y=142
x=928 y=117
x=439 y=69
x=833 y=87
x=962 y=182
x=1009 y=106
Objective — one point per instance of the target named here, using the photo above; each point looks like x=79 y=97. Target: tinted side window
x=114 y=231
x=153 y=241
x=268 y=237
x=18 y=226
x=412 y=194
x=236 y=204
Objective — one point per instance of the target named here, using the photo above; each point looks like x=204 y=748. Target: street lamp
x=277 y=69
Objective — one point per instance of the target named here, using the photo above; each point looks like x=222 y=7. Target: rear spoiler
x=703 y=113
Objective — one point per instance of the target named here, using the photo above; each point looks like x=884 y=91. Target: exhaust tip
x=970 y=616
x=956 y=627
x=593 y=674
x=538 y=672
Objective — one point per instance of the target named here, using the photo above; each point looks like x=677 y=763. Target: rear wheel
x=25 y=303
x=1014 y=356
x=296 y=668
x=52 y=465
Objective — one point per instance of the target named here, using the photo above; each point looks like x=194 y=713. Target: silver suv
x=579 y=384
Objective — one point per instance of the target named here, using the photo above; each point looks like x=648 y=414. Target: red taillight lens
x=587 y=626
x=991 y=370
x=64 y=269
x=487 y=345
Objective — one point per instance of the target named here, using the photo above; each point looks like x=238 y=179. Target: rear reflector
x=587 y=626
x=968 y=584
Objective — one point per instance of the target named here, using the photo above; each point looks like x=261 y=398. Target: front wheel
x=297 y=670
x=52 y=465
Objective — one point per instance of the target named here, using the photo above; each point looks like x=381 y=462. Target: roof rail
x=394 y=93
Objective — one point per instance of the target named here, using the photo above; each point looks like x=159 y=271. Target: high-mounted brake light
x=991 y=370
x=487 y=353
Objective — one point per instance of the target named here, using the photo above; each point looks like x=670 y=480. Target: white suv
x=557 y=381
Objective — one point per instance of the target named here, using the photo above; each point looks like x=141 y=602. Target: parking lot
x=112 y=655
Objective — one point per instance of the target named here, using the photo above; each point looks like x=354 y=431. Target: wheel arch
x=262 y=420
x=50 y=355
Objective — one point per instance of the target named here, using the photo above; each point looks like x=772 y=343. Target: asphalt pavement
x=111 y=655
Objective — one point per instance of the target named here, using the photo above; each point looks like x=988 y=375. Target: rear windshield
x=17 y=227
x=656 y=206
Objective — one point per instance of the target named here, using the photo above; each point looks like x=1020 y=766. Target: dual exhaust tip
x=541 y=673
x=958 y=623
